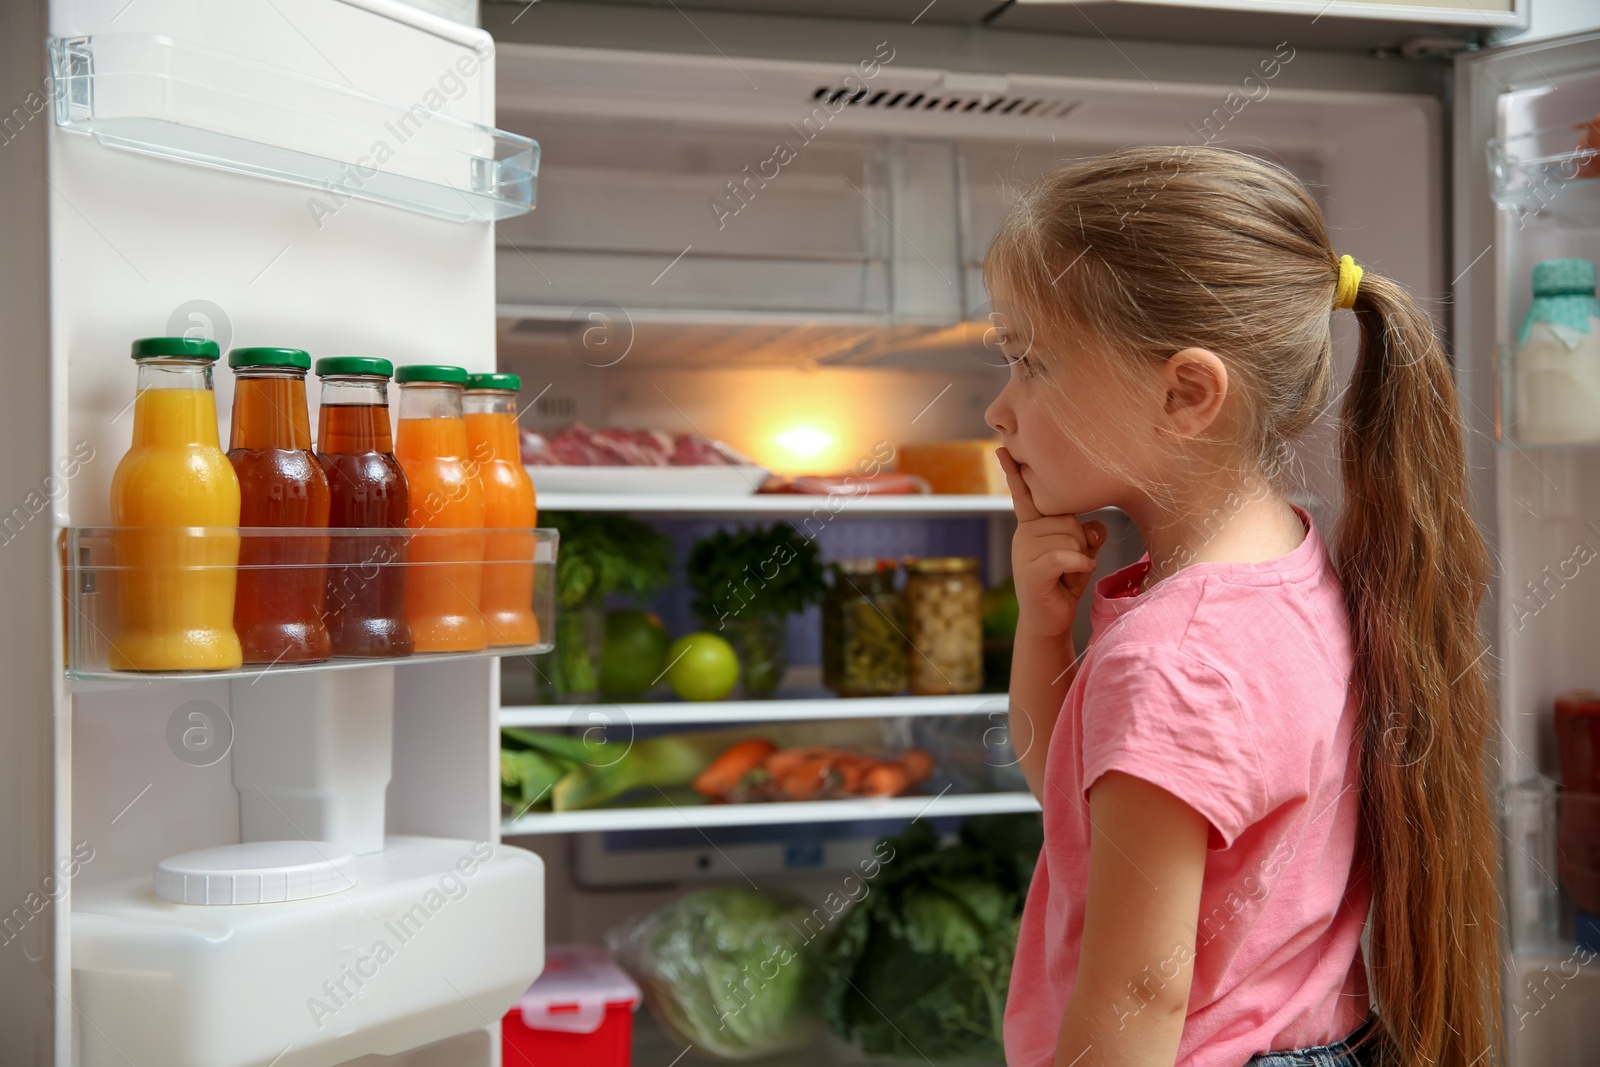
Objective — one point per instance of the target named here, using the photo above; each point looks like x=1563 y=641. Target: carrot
x=785 y=760
x=806 y=779
x=734 y=763
x=885 y=780
x=916 y=763
x=851 y=770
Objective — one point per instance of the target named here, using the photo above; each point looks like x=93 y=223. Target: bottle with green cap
x=278 y=613
x=510 y=511
x=175 y=501
x=446 y=573
x=366 y=603
x=1558 y=356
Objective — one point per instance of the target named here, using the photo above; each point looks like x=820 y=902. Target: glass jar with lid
x=944 y=606
x=863 y=630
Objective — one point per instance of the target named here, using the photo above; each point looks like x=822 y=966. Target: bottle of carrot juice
x=490 y=403
x=175 y=501
x=445 y=576
x=281 y=578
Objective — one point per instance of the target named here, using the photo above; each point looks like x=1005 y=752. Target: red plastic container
x=579 y=1013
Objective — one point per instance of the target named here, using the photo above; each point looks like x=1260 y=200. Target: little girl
x=1267 y=736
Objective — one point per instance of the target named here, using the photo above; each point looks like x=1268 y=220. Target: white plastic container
x=437 y=937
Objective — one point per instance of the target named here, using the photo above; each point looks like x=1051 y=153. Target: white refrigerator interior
x=1527 y=190
x=322 y=175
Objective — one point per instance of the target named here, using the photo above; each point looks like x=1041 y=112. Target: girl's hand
x=1052 y=559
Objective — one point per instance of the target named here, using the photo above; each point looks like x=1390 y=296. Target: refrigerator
x=183 y=168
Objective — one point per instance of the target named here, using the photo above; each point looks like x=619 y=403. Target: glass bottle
x=175 y=500
x=944 y=605
x=446 y=579
x=863 y=630
x=490 y=406
x=365 y=607
x=1558 y=356
x=278 y=613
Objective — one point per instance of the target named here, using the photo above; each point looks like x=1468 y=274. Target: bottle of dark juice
x=366 y=601
x=278 y=609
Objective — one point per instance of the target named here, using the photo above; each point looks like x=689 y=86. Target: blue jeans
x=1338 y=1054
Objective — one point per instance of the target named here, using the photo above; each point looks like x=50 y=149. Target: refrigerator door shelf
x=160 y=96
x=403 y=959
x=137 y=597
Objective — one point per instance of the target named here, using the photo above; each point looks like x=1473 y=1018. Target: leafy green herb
x=758 y=570
x=605 y=553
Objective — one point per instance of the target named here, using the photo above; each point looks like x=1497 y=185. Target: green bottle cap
x=430 y=372
x=269 y=357
x=1558 y=277
x=508 y=382
x=192 y=347
x=363 y=365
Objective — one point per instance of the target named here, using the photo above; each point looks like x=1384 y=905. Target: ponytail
x=1414 y=568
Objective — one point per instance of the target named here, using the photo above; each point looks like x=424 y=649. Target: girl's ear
x=1196 y=384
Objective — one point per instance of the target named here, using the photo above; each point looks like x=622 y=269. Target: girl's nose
x=999 y=414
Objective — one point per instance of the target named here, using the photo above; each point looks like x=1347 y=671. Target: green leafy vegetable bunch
x=757 y=570
x=602 y=552
x=921 y=965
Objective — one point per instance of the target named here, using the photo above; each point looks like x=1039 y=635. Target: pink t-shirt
x=1228 y=685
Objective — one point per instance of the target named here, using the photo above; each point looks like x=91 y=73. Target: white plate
x=660 y=481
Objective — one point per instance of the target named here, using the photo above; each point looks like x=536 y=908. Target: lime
x=703 y=667
x=1000 y=610
x=633 y=654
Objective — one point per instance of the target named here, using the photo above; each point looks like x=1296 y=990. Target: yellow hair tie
x=1349 y=282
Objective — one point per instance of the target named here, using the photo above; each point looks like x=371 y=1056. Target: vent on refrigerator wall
x=1006 y=104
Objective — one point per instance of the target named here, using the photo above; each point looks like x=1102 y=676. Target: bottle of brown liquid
x=366 y=601
x=278 y=608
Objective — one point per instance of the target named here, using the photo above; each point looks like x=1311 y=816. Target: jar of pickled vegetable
x=863 y=630
x=944 y=603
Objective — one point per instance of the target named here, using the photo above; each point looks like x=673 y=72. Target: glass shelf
x=148 y=604
x=163 y=97
x=1552 y=172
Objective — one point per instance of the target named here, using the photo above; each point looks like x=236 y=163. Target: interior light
x=804 y=441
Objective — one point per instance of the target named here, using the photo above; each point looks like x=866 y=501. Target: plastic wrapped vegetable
x=724 y=970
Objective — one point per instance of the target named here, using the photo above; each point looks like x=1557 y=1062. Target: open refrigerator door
x=254 y=858
x=1527 y=337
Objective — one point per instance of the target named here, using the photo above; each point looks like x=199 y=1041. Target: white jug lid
x=256 y=872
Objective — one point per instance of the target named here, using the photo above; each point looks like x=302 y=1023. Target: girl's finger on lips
x=1021 y=498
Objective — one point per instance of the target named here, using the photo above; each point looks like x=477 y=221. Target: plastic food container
x=579 y=1012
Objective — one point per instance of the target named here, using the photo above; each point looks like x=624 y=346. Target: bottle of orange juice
x=175 y=501
x=445 y=575
x=490 y=403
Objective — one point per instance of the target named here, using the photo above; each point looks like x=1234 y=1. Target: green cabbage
x=921 y=966
x=727 y=970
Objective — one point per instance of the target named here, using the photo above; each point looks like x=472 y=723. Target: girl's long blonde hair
x=1147 y=251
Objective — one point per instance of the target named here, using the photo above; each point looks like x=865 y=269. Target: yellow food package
x=956 y=466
